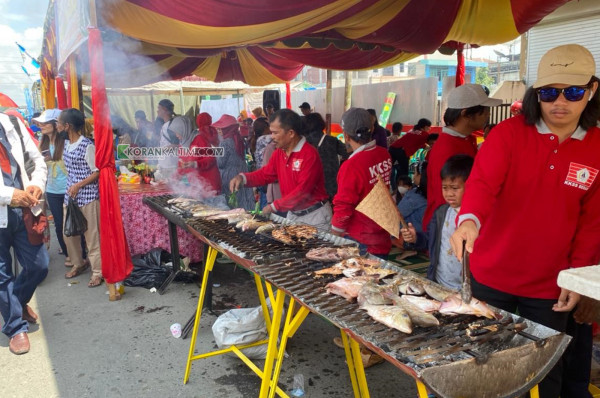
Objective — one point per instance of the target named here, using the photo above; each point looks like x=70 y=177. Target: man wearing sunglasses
x=532 y=206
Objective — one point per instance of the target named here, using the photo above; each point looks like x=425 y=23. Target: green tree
x=482 y=77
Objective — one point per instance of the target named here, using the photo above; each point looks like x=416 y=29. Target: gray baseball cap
x=354 y=119
x=469 y=95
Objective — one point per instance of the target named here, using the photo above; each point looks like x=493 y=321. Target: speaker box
x=272 y=97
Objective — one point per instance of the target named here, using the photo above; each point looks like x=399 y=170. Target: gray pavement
x=86 y=346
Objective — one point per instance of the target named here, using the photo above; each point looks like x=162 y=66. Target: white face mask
x=402 y=190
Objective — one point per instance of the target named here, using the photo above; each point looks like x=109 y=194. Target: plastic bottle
x=298 y=386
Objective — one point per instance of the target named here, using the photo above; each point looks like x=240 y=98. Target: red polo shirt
x=449 y=143
x=300 y=177
x=538 y=203
x=356 y=178
x=411 y=141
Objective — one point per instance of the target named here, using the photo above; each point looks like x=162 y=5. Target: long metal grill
x=425 y=347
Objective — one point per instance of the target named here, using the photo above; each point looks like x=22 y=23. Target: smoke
x=191 y=185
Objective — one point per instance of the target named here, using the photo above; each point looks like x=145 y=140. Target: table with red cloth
x=145 y=229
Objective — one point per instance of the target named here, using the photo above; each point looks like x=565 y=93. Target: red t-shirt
x=445 y=147
x=411 y=141
x=356 y=178
x=300 y=177
x=538 y=202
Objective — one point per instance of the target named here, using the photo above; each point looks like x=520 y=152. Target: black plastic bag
x=75 y=222
x=148 y=270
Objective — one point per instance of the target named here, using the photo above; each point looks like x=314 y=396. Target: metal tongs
x=465 y=293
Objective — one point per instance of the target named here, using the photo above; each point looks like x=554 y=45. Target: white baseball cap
x=48 y=115
x=469 y=95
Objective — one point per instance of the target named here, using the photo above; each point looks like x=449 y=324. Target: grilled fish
x=348 y=288
x=222 y=214
x=332 y=253
x=436 y=292
x=265 y=228
x=250 y=225
x=408 y=285
x=283 y=236
x=372 y=271
x=392 y=316
x=454 y=305
x=417 y=315
x=423 y=303
x=374 y=294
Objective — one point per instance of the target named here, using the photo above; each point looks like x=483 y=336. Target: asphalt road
x=86 y=346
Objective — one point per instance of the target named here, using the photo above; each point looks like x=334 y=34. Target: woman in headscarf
x=233 y=162
x=201 y=168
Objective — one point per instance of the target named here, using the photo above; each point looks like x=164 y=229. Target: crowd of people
x=525 y=202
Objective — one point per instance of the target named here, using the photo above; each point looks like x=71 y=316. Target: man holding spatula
x=532 y=203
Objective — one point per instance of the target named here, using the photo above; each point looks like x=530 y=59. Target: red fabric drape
x=68 y=72
x=61 y=94
x=460 y=68
x=288 y=96
x=116 y=259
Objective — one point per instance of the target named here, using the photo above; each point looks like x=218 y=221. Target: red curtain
x=288 y=96
x=61 y=94
x=116 y=259
x=460 y=68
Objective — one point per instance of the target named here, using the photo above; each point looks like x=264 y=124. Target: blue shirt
x=57 y=179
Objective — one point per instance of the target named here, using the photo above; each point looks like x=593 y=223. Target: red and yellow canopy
x=268 y=41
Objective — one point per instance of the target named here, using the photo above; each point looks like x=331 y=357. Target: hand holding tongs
x=465 y=293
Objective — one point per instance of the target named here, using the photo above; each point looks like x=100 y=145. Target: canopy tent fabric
x=7 y=102
x=269 y=41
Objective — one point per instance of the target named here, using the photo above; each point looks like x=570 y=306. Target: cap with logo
x=469 y=95
x=48 y=115
x=569 y=64
x=355 y=119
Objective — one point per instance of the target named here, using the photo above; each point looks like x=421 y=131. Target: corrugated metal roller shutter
x=584 y=31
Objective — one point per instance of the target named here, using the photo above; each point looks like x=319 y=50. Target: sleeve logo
x=581 y=176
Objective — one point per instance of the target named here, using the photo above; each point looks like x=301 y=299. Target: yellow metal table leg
x=210 y=262
x=421 y=389
x=277 y=306
x=361 y=378
x=534 y=392
x=350 y=362
x=263 y=301
x=289 y=328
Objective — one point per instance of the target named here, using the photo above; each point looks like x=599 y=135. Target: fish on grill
x=282 y=236
x=454 y=305
x=367 y=270
x=219 y=214
x=237 y=218
x=407 y=285
x=348 y=288
x=393 y=316
x=302 y=231
x=265 y=228
x=352 y=266
x=251 y=224
x=423 y=303
x=437 y=292
x=374 y=294
x=326 y=254
x=417 y=315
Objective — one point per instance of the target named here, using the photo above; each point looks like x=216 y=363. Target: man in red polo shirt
x=532 y=207
x=356 y=178
x=468 y=111
x=297 y=166
x=406 y=146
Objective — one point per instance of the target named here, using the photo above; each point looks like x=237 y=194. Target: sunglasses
x=550 y=94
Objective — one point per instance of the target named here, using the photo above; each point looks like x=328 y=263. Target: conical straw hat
x=379 y=206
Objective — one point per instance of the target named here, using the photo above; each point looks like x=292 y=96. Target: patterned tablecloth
x=146 y=229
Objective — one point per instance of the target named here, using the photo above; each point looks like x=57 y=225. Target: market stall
x=461 y=356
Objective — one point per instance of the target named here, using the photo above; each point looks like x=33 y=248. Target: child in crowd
x=413 y=204
x=444 y=268
x=405 y=184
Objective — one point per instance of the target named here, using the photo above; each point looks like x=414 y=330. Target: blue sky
x=22 y=21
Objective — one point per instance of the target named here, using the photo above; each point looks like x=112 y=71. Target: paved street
x=86 y=346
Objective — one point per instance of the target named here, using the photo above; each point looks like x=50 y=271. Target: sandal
x=75 y=271
x=68 y=262
x=95 y=281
